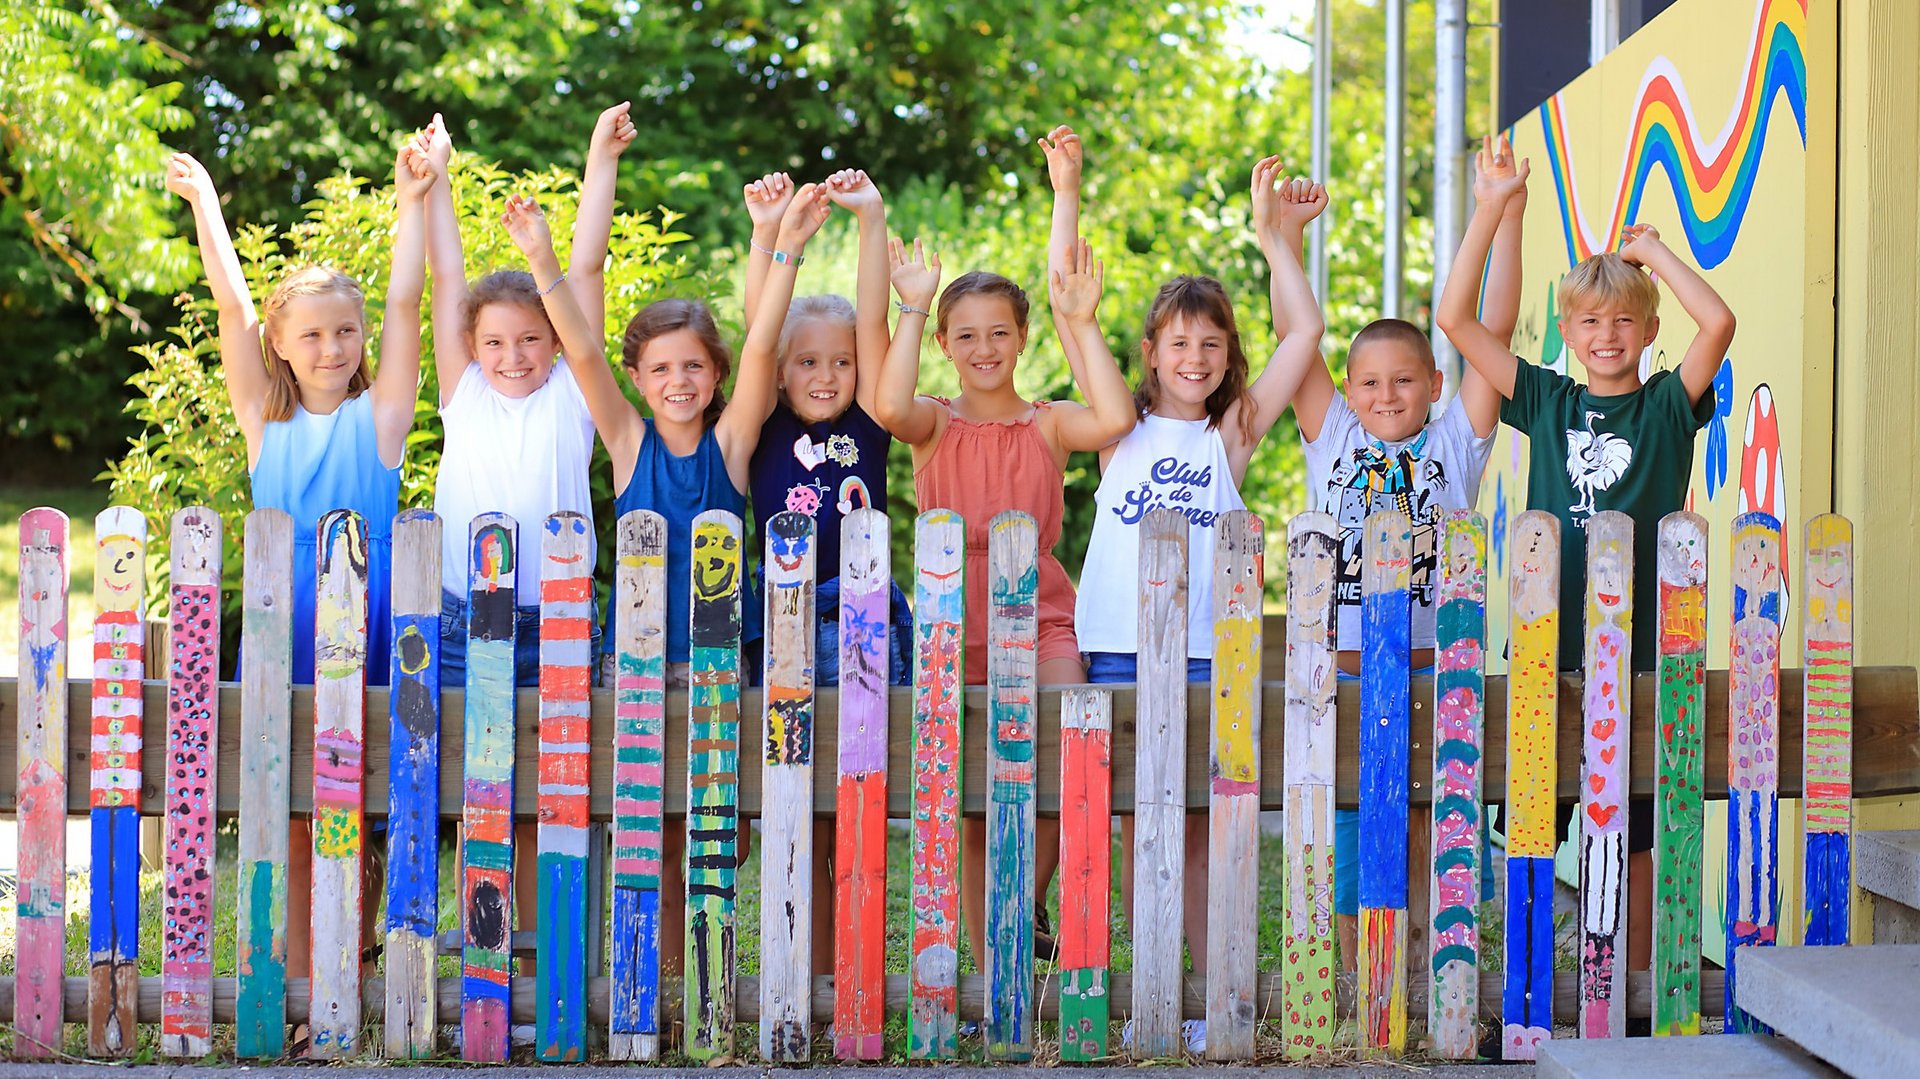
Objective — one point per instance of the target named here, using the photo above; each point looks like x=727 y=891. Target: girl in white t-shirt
x=1200 y=422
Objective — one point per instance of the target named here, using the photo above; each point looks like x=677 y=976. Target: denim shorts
x=526 y=642
x=1124 y=667
x=826 y=636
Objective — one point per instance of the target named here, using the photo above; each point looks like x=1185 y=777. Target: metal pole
x=1322 y=94
x=1449 y=162
x=1603 y=29
x=1393 y=271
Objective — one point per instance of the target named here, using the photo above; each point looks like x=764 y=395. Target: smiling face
x=716 y=560
x=515 y=347
x=1756 y=558
x=1607 y=338
x=1829 y=584
x=1535 y=587
x=1608 y=582
x=1390 y=387
x=983 y=338
x=676 y=376
x=322 y=337
x=118 y=569
x=1189 y=360
x=938 y=557
x=817 y=374
x=1310 y=566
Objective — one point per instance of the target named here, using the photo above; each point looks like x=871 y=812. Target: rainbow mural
x=1712 y=180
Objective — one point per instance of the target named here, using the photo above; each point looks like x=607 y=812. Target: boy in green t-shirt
x=1615 y=443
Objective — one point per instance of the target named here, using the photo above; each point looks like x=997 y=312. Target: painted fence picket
x=639 y=783
x=486 y=822
x=413 y=789
x=1233 y=779
x=1086 y=884
x=1012 y=633
x=193 y=708
x=1533 y=664
x=1459 y=715
x=939 y=640
x=1827 y=764
x=1679 y=774
x=786 y=824
x=860 y=806
x=266 y=732
x=713 y=784
x=566 y=656
x=119 y=665
x=1307 y=767
x=1385 y=730
x=339 y=782
x=40 y=939
x=1753 y=749
x=1160 y=784
x=1601 y=961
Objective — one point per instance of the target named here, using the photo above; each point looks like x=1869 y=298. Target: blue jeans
x=526 y=642
x=826 y=636
x=1124 y=667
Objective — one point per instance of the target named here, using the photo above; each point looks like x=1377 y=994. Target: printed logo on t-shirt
x=1595 y=462
x=1369 y=480
x=840 y=449
x=1170 y=483
x=854 y=495
x=805 y=498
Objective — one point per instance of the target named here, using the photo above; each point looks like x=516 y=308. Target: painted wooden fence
x=1161 y=749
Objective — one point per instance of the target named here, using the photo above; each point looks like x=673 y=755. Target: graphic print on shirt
x=1370 y=480
x=1595 y=461
x=807 y=498
x=1171 y=483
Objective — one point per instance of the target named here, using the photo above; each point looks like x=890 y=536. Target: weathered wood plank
x=1680 y=776
x=1532 y=764
x=1012 y=712
x=40 y=940
x=566 y=658
x=1165 y=715
x=640 y=750
x=1827 y=622
x=786 y=828
x=489 y=751
x=266 y=725
x=860 y=818
x=939 y=609
x=339 y=781
x=1601 y=958
x=1086 y=883
x=191 y=759
x=1753 y=747
x=413 y=790
x=1460 y=640
x=1233 y=826
x=713 y=777
x=1306 y=913
x=1385 y=731
x=119 y=665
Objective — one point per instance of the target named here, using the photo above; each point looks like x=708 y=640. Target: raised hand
x=1301 y=200
x=809 y=210
x=413 y=172
x=612 y=132
x=527 y=226
x=187 y=178
x=1497 y=178
x=853 y=190
x=915 y=275
x=1638 y=243
x=1076 y=293
x=1065 y=156
x=767 y=200
x=436 y=142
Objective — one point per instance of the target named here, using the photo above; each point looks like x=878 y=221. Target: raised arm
x=1500 y=307
x=1065 y=168
x=449 y=265
x=241 y=360
x=396 y=385
x=854 y=191
x=1697 y=298
x=593 y=218
x=1110 y=411
x=767 y=200
x=897 y=405
x=1281 y=224
x=1458 y=314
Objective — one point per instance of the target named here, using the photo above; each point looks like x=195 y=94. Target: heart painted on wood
x=1596 y=783
x=1607 y=754
x=1603 y=728
x=1601 y=814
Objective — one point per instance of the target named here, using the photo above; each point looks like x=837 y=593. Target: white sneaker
x=1194 y=1033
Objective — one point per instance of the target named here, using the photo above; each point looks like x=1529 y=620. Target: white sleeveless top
x=526 y=457
x=1180 y=464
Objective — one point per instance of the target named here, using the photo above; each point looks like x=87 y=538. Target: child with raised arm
x=989 y=450
x=1614 y=443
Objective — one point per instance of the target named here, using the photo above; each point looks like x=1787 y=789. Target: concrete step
x=1743 y=1056
x=1853 y=1007
x=1887 y=864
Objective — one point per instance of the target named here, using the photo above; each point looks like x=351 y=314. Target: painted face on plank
x=1829 y=584
x=197 y=541
x=1466 y=556
x=493 y=555
x=716 y=560
x=940 y=562
x=1534 y=548
x=1310 y=569
x=860 y=573
x=789 y=538
x=1607 y=579
x=1756 y=561
x=117 y=570
x=1683 y=556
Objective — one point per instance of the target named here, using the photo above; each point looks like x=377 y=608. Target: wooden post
x=193 y=674
x=639 y=783
x=1233 y=777
x=1086 y=884
x=1012 y=633
x=413 y=789
x=566 y=678
x=713 y=784
x=1385 y=722
x=40 y=952
x=266 y=734
x=486 y=824
x=339 y=726
x=786 y=821
x=939 y=639
x=1459 y=713
x=119 y=666
x=1307 y=766
x=1160 y=813
x=1680 y=774
x=1533 y=689
x=1753 y=749
x=1605 y=722
x=1828 y=761
x=860 y=817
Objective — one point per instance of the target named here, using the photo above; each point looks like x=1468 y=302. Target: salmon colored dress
x=979 y=470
